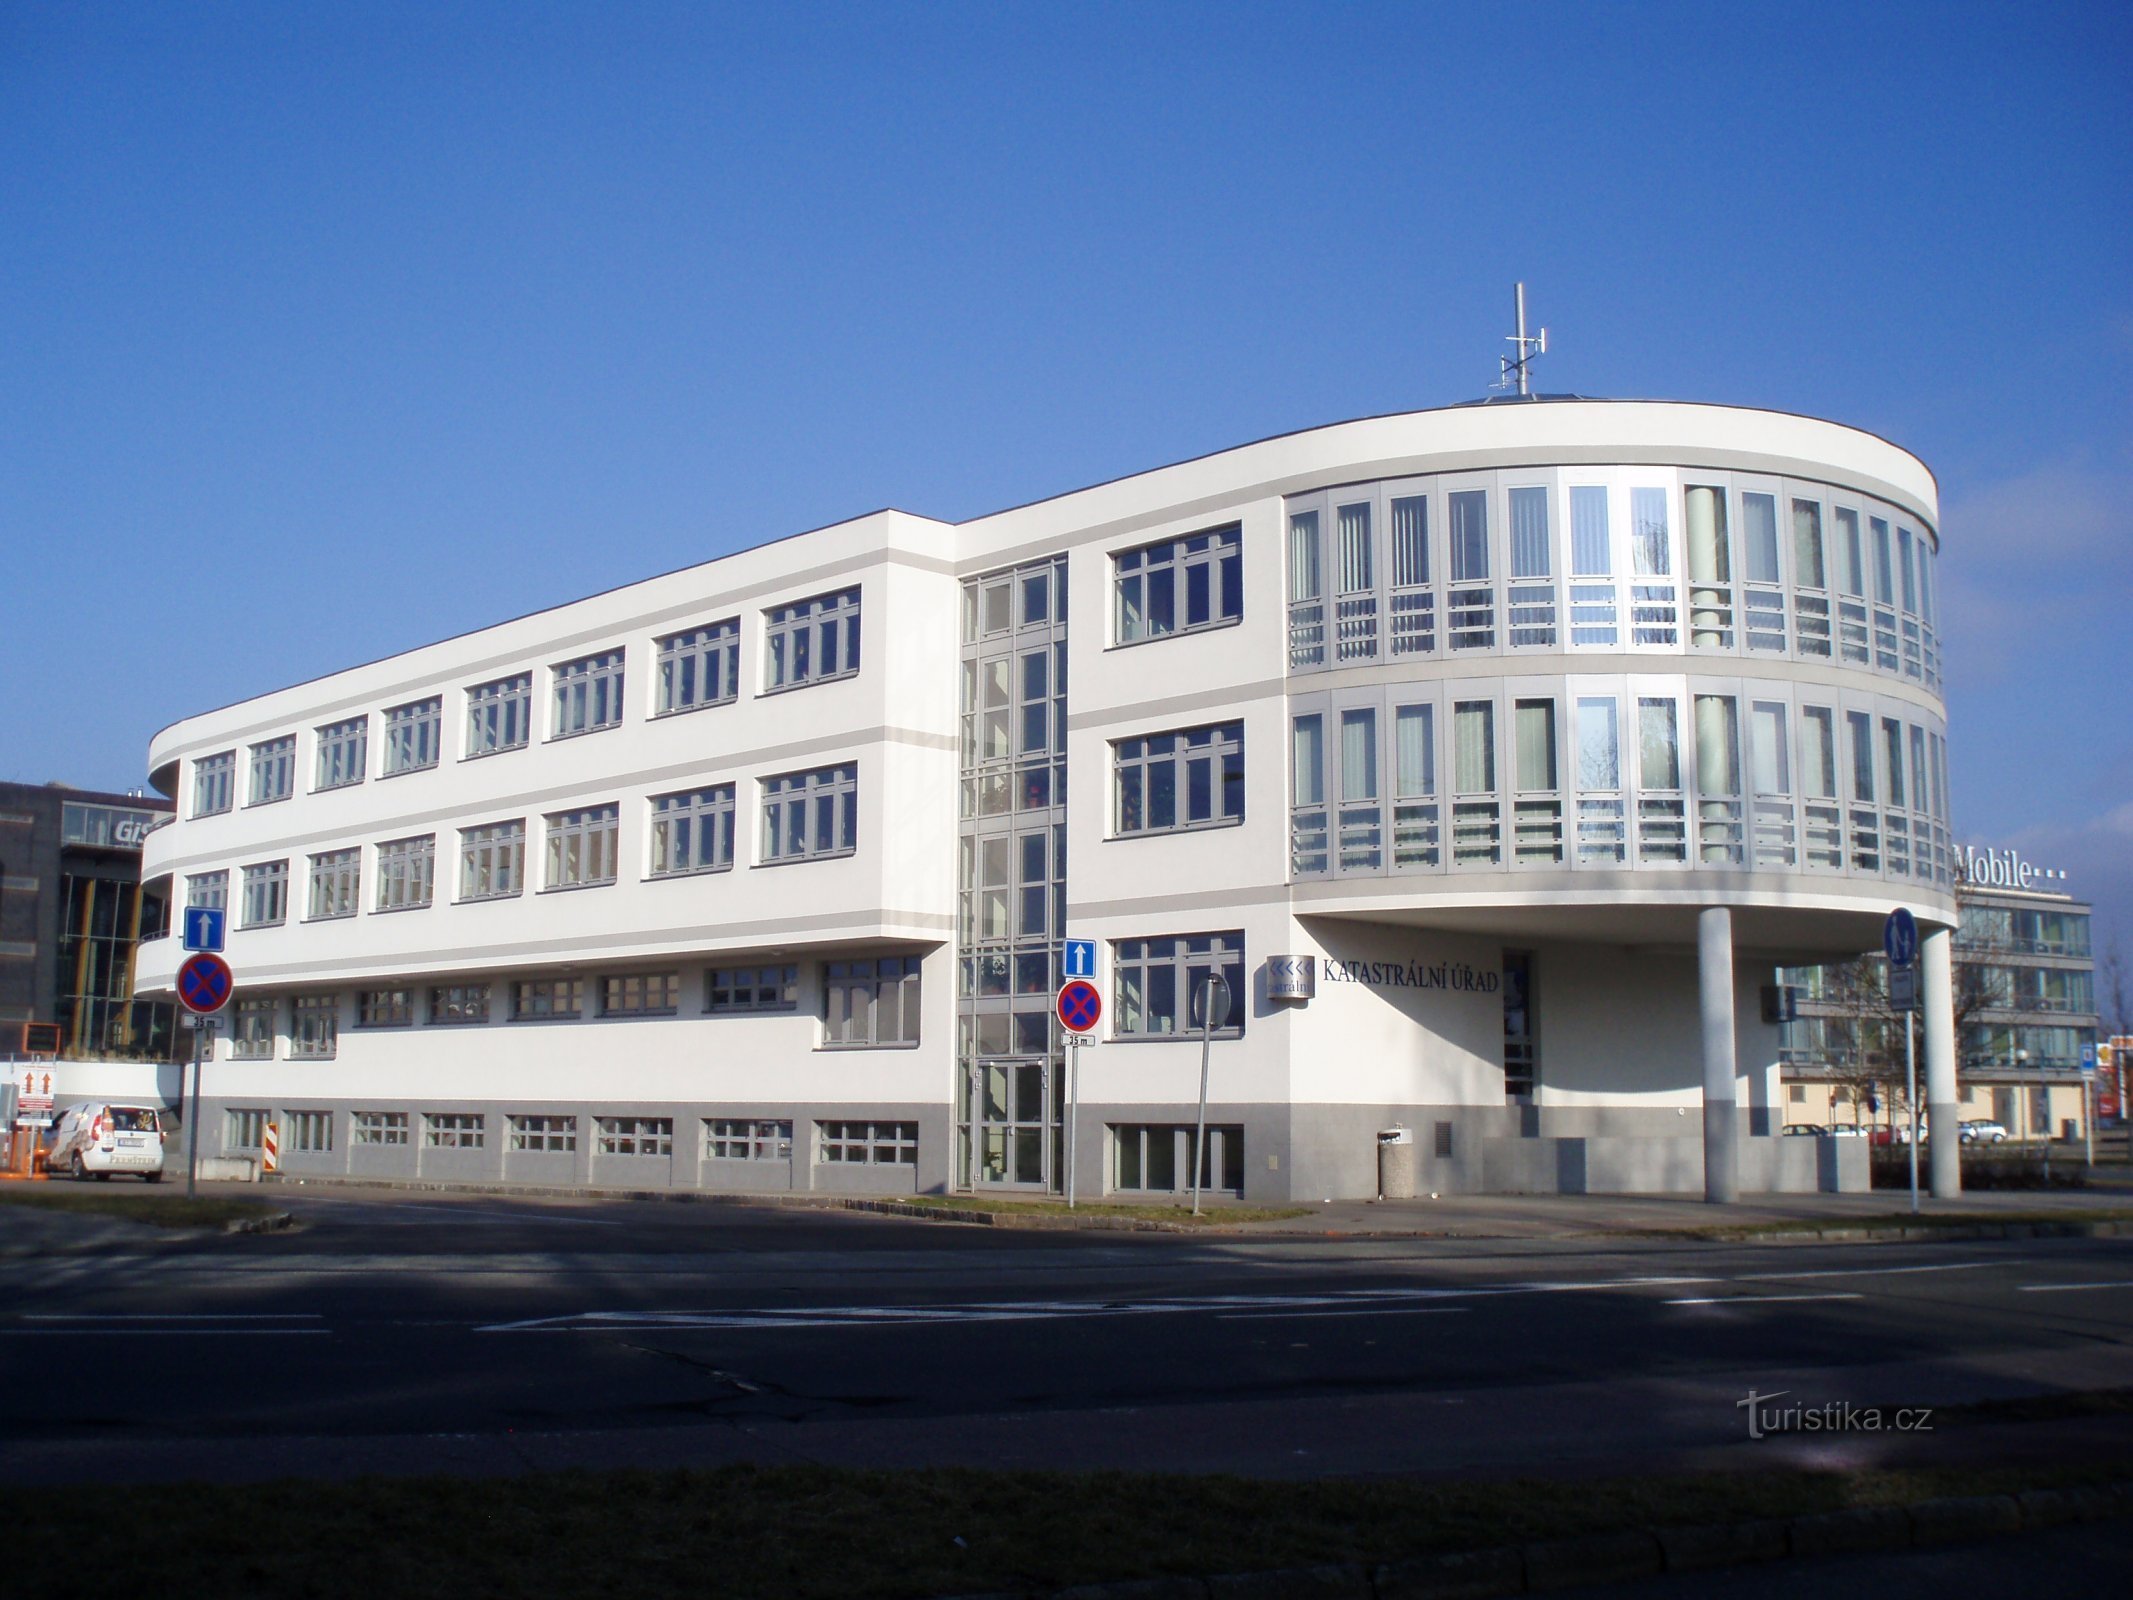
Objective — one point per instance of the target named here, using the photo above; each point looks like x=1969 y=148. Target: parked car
x=94 y=1139
x=1803 y=1130
x=1983 y=1130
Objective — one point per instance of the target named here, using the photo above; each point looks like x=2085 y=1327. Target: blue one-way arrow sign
x=1081 y=958
x=203 y=927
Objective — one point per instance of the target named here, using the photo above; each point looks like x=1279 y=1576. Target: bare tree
x=1864 y=1030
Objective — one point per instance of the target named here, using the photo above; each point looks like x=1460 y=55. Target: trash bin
x=1399 y=1164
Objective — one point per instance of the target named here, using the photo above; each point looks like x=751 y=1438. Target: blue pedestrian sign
x=203 y=927
x=1081 y=958
x=2088 y=1059
x=1899 y=937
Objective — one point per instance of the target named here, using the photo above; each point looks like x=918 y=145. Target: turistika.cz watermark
x=1766 y=1417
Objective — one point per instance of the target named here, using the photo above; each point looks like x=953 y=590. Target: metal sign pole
x=1073 y=1128
x=1910 y=1073
x=192 y=1118
x=1199 y=1129
x=2088 y=1114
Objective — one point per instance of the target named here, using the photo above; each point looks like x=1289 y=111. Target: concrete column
x=1721 y=1118
x=1943 y=1111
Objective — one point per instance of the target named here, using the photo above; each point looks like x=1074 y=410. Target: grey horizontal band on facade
x=1163 y=905
x=546 y=652
x=877 y=924
x=478 y=815
x=24 y=948
x=1231 y=504
x=1117 y=717
x=15 y=883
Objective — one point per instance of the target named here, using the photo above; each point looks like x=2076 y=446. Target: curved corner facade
x=1494 y=757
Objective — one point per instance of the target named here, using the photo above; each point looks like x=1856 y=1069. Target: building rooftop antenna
x=1514 y=367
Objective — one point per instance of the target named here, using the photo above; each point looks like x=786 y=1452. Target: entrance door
x=1016 y=1112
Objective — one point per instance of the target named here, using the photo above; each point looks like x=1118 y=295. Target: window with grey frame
x=811 y=641
x=1182 y=585
x=335 y=884
x=459 y=1004
x=692 y=831
x=314 y=1026
x=385 y=1008
x=587 y=695
x=699 y=668
x=1174 y=782
x=1477 y=811
x=342 y=747
x=1529 y=591
x=214 y=783
x=1470 y=599
x=547 y=999
x=407 y=873
x=414 y=735
x=640 y=994
x=872 y=1002
x=1602 y=828
x=492 y=861
x=273 y=770
x=582 y=847
x=1157 y=982
x=265 y=894
x=252 y=1033
x=1762 y=588
x=500 y=715
x=1654 y=592
x=1594 y=611
x=208 y=890
x=748 y=1138
x=730 y=990
x=811 y=815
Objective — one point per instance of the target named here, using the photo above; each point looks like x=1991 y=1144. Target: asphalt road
x=401 y=1333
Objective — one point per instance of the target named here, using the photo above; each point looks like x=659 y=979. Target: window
x=214 y=783
x=1470 y=604
x=1537 y=810
x=640 y=994
x=413 y=735
x=588 y=695
x=208 y=889
x=1307 y=794
x=812 y=641
x=1307 y=606
x=1719 y=832
x=385 y=1008
x=266 y=894
x=273 y=769
x=1180 y=585
x=810 y=814
x=1592 y=591
x=535 y=998
x=1415 y=838
x=1477 y=815
x=252 y=1035
x=311 y=1132
x=1156 y=1158
x=547 y=1135
x=315 y=1032
x=758 y=1140
x=873 y=1002
x=581 y=847
x=692 y=831
x=243 y=1129
x=454 y=1130
x=458 y=1003
x=1602 y=832
x=699 y=668
x=499 y=715
x=341 y=750
x=492 y=861
x=335 y=878
x=1359 y=829
x=407 y=873
x=1170 y=781
x=869 y=1144
x=1414 y=616
x=1157 y=984
x=1530 y=599
x=636 y=1136
x=378 y=1127
x=752 y=989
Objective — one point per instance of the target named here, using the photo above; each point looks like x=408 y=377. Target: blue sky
x=328 y=331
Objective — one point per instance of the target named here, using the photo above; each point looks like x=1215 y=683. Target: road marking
x=158 y=1332
x=173 y=1316
x=1355 y=1311
x=473 y=1213
x=1759 y=1299
x=1869 y=1272
x=2067 y=1288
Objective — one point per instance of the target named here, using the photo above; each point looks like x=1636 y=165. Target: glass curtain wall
x=1012 y=878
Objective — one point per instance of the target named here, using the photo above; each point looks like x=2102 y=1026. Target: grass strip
x=1899 y=1219
x=158 y=1210
x=798 y=1532
x=1227 y=1215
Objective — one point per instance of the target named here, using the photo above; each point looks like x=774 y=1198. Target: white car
x=1982 y=1130
x=95 y=1139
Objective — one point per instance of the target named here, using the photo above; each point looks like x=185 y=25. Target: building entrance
x=1014 y=1109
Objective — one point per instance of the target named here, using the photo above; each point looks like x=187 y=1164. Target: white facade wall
x=1612 y=945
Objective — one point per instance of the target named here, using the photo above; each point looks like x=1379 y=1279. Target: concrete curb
x=1542 y=1565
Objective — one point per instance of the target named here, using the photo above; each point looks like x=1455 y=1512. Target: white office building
x=1497 y=756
